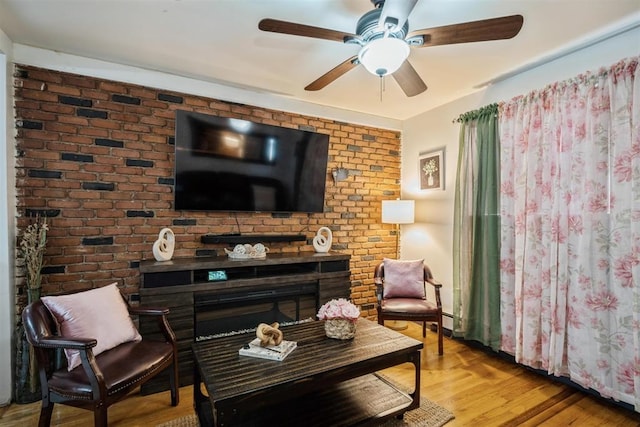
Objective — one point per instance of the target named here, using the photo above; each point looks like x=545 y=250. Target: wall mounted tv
x=225 y=164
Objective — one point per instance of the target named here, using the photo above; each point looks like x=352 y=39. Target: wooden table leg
x=201 y=403
x=415 y=359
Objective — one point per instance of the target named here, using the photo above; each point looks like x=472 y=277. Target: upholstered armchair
x=402 y=294
x=106 y=356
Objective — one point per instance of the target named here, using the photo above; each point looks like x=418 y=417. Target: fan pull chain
x=382 y=86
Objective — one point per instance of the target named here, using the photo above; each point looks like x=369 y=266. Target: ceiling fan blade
x=284 y=27
x=395 y=13
x=501 y=28
x=333 y=74
x=409 y=80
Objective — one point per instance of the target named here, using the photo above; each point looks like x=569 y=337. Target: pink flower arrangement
x=339 y=309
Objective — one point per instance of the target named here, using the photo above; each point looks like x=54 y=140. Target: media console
x=209 y=296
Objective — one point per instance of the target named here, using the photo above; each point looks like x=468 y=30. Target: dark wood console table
x=323 y=382
x=190 y=285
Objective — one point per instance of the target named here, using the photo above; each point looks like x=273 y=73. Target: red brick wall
x=96 y=157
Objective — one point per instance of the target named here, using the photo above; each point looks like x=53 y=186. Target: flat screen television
x=226 y=164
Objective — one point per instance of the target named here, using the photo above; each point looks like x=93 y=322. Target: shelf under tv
x=251 y=238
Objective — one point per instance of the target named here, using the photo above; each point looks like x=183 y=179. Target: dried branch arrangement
x=33 y=246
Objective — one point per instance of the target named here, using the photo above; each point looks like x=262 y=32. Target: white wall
x=432 y=234
x=7 y=221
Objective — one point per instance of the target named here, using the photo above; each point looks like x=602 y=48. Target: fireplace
x=219 y=314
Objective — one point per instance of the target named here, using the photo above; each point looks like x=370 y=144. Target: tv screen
x=225 y=164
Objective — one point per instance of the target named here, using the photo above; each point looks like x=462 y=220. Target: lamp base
x=396 y=325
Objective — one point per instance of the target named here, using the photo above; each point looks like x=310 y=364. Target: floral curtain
x=570 y=230
x=476 y=281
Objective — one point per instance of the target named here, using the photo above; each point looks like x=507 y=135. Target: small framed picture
x=431 y=170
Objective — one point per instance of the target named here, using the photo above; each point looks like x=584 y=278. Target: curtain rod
x=474 y=114
x=620 y=29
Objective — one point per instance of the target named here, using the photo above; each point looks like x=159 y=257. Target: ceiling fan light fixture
x=383 y=56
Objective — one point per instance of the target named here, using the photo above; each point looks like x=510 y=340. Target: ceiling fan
x=384 y=39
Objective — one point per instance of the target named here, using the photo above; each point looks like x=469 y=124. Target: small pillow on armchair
x=403 y=279
x=99 y=313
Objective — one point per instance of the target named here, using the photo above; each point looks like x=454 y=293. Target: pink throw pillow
x=99 y=313
x=403 y=279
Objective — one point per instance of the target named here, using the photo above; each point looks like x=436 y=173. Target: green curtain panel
x=477 y=229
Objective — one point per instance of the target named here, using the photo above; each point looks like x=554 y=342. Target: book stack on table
x=271 y=352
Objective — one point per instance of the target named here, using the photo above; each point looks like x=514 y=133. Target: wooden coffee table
x=322 y=382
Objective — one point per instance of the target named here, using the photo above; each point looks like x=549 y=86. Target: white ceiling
x=219 y=41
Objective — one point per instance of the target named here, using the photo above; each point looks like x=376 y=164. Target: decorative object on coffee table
x=340 y=318
x=340 y=329
x=247 y=251
x=322 y=240
x=269 y=334
x=163 y=247
x=268 y=344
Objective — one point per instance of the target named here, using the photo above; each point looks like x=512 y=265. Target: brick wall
x=96 y=157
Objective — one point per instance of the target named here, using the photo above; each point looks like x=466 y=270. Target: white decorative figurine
x=322 y=242
x=164 y=246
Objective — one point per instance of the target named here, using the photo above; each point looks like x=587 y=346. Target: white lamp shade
x=383 y=56
x=398 y=211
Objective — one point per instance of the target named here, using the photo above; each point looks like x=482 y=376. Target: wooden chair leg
x=173 y=381
x=45 y=414
x=100 y=416
x=440 y=343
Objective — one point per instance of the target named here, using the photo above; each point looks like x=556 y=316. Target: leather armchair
x=411 y=309
x=100 y=380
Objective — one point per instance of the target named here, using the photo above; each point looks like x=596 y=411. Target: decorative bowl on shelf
x=247 y=251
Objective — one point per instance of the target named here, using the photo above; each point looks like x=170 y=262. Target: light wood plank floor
x=480 y=389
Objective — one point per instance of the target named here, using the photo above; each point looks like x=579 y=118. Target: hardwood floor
x=480 y=389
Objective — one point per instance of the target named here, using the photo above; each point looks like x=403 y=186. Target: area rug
x=428 y=414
